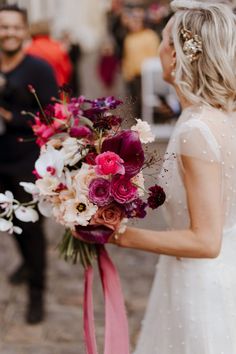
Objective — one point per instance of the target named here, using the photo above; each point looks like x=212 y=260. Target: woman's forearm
x=178 y=243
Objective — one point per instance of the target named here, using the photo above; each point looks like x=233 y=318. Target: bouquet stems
x=72 y=248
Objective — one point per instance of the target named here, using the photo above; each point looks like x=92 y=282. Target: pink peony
x=109 y=163
x=122 y=190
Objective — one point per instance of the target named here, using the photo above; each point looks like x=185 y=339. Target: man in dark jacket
x=17 y=71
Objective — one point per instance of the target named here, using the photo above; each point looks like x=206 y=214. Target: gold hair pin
x=192 y=47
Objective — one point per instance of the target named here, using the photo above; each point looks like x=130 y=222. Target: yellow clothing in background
x=138 y=46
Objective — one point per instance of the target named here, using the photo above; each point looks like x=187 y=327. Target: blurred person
x=74 y=52
x=140 y=43
x=50 y=50
x=157 y=16
x=117 y=27
x=108 y=65
x=17 y=71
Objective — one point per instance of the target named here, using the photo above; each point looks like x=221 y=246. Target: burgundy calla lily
x=128 y=146
x=98 y=234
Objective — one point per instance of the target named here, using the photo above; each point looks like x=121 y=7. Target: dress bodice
x=207 y=134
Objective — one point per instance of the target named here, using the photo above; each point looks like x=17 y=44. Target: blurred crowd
x=134 y=36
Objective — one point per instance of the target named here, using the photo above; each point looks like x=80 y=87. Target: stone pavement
x=62 y=330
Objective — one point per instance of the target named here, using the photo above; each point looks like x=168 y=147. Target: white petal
x=17 y=230
x=50 y=158
x=30 y=188
x=7 y=197
x=144 y=131
x=26 y=214
x=5 y=225
x=45 y=208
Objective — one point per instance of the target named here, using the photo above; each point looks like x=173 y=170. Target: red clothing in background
x=53 y=52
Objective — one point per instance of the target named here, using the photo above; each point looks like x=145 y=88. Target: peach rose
x=110 y=216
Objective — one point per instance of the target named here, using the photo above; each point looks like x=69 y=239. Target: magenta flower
x=90 y=158
x=109 y=163
x=105 y=103
x=122 y=190
x=99 y=192
x=98 y=234
x=156 y=197
x=80 y=132
x=128 y=146
x=60 y=111
x=136 y=209
x=74 y=106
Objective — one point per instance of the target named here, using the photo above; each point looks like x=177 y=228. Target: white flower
x=71 y=151
x=31 y=188
x=123 y=226
x=6 y=202
x=83 y=178
x=79 y=211
x=6 y=198
x=47 y=185
x=7 y=226
x=26 y=214
x=144 y=131
x=138 y=181
x=50 y=163
x=45 y=207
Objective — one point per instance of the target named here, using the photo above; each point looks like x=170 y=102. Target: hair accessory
x=192 y=47
x=189 y=5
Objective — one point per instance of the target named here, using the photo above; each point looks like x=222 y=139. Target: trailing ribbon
x=116 y=325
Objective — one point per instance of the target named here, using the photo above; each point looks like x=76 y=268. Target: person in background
x=17 y=71
x=108 y=65
x=50 y=50
x=74 y=52
x=140 y=43
x=116 y=27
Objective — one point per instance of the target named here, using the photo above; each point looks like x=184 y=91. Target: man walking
x=17 y=71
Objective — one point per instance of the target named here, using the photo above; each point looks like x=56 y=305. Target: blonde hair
x=211 y=79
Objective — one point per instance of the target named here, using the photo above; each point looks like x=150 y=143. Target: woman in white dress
x=192 y=307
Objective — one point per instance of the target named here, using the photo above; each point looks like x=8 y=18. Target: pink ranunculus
x=109 y=163
x=60 y=111
x=110 y=216
x=99 y=191
x=122 y=189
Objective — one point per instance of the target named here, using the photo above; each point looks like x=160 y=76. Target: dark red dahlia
x=156 y=197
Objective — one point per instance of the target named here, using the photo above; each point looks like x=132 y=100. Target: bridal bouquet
x=89 y=174
x=89 y=178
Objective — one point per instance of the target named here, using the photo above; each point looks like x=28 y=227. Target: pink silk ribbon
x=116 y=325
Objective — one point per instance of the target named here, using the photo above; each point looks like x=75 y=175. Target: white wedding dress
x=192 y=307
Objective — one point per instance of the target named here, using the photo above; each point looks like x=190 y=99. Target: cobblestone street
x=62 y=331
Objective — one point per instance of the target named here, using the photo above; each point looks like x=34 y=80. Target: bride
x=192 y=307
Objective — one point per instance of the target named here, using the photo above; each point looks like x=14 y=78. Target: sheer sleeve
x=194 y=138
